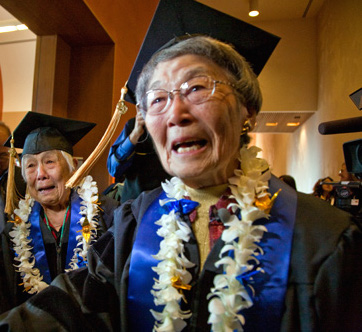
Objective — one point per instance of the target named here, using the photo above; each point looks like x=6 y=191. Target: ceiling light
x=11 y=28
x=293 y=124
x=21 y=27
x=271 y=124
x=253 y=8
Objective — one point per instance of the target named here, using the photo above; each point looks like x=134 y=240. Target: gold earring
x=246 y=127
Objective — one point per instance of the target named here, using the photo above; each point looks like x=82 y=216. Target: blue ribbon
x=37 y=242
x=141 y=275
x=182 y=206
x=245 y=279
x=271 y=285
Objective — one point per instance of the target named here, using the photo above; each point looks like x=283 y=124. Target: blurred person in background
x=344 y=175
x=324 y=191
x=289 y=180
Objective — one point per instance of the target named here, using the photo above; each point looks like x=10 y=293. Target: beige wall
x=306 y=154
x=17 y=57
x=289 y=80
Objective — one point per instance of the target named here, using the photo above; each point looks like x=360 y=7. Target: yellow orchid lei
x=32 y=279
x=228 y=297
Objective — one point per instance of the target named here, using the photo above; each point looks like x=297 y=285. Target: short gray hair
x=237 y=69
x=67 y=157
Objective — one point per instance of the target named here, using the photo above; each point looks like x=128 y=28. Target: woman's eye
x=196 y=88
x=30 y=165
x=158 y=100
x=49 y=161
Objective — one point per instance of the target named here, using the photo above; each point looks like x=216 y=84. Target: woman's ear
x=75 y=163
x=252 y=118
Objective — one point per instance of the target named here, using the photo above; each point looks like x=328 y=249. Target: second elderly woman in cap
x=53 y=227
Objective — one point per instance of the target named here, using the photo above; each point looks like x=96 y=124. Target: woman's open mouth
x=44 y=190
x=188 y=146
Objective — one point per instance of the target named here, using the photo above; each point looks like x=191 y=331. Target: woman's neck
x=206 y=193
x=56 y=214
x=207 y=180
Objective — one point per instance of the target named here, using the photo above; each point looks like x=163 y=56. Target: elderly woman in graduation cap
x=53 y=227
x=216 y=248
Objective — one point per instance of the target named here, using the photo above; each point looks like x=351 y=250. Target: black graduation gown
x=11 y=293
x=323 y=292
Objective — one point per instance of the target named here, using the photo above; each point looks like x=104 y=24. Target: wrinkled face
x=46 y=174
x=197 y=143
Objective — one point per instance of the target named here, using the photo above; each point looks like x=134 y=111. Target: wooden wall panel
x=1 y=96
x=70 y=19
x=90 y=99
x=51 y=77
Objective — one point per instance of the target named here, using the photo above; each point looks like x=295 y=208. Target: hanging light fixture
x=253 y=8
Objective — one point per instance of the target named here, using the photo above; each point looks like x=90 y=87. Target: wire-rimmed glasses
x=196 y=90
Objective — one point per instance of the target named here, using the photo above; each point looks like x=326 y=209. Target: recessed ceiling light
x=11 y=28
x=253 y=8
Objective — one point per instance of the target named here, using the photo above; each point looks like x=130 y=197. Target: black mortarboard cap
x=175 y=18
x=39 y=132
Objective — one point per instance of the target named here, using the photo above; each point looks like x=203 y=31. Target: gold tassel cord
x=121 y=109
x=12 y=198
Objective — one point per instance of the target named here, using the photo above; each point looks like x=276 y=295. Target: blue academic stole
x=37 y=242
x=270 y=287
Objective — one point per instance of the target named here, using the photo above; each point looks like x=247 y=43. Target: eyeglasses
x=196 y=90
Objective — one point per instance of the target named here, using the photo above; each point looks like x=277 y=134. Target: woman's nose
x=179 y=110
x=41 y=173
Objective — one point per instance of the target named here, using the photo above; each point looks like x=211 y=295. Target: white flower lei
x=228 y=296
x=33 y=280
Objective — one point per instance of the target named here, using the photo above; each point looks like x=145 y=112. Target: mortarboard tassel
x=12 y=198
x=121 y=109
